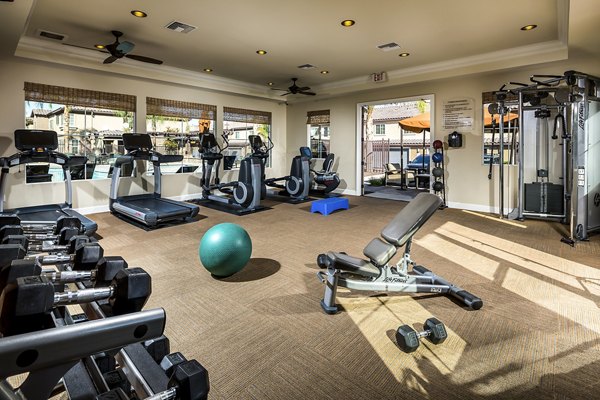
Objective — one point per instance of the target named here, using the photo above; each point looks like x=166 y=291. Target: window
x=88 y=123
x=238 y=124
x=175 y=127
x=380 y=129
x=318 y=131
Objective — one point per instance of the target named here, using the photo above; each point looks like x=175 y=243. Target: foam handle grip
x=468 y=298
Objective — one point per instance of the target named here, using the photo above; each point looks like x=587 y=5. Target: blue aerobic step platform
x=327 y=206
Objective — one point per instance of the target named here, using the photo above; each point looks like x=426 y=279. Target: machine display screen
x=26 y=139
x=136 y=142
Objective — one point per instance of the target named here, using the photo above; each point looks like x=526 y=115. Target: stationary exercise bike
x=324 y=181
x=294 y=186
x=243 y=195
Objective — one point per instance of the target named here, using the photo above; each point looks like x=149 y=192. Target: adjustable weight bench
x=376 y=274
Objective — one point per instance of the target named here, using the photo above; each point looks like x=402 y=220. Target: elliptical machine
x=295 y=186
x=325 y=180
x=243 y=194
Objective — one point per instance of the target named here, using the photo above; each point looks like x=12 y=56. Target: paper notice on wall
x=458 y=114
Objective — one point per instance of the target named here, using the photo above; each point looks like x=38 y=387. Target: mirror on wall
x=491 y=130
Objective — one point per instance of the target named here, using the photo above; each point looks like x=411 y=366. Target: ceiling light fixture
x=261 y=52
x=404 y=54
x=325 y=72
x=99 y=46
x=528 y=27
x=348 y=22
x=270 y=83
x=207 y=69
x=138 y=13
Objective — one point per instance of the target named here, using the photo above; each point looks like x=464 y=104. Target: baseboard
x=92 y=210
x=349 y=192
x=477 y=207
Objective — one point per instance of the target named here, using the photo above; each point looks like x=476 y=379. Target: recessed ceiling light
x=348 y=22
x=404 y=54
x=138 y=13
x=324 y=72
x=261 y=52
x=99 y=46
x=270 y=83
x=207 y=69
x=528 y=27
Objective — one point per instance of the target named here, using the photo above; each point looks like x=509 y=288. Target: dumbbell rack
x=442 y=178
x=74 y=352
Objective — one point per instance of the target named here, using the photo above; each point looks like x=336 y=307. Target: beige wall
x=87 y=194
x=467 y=182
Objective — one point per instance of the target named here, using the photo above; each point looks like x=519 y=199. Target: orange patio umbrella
x=417 y=124
x=487 y=117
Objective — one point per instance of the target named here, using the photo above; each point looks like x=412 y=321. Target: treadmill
x=39 y=146
x=149 y=209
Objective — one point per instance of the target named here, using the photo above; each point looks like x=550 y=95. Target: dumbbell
x=50 y=228
x=188 y=379
x=408 y=339
x=26 y=302
x=84 y=255
x=106 y=270
x=61 y=237
x=10 y=252
x=63 y=246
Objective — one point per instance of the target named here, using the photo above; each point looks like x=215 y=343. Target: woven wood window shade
x=180 y=109
x=248 y=116
x=320 y=117
x=78 y=97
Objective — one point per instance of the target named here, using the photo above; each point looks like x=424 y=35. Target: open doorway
x=395 y=137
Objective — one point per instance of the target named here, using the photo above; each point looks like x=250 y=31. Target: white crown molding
x=44 y=50
x=509 y=58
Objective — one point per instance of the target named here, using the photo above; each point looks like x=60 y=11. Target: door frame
x=360 y=189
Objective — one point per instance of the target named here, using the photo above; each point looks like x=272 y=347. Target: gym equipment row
x=37 y=146
x=120 y=350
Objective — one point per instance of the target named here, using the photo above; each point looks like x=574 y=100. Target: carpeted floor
x=262 y=334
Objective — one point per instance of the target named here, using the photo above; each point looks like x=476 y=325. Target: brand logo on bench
x=436 y=290
x=597 y=199
x=395 y=280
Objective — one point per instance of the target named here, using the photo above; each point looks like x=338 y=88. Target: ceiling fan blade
x=285 y=94
x=307 y=93
x=303 y=88
x=144 y=59
x=110 y=60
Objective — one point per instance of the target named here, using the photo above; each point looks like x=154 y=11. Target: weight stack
x=544 y=197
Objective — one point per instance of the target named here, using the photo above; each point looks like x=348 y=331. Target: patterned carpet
x=262 y=335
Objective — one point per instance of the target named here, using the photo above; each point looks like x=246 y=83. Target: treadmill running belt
x=45 y=215
x=161 y=208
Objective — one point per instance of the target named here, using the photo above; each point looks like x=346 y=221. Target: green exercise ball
x=225 y=249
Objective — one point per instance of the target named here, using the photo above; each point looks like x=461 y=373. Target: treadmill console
x=139 y=142
x=38 y=141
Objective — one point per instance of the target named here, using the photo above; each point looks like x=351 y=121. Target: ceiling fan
x=295 y=89
x=119 y=50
